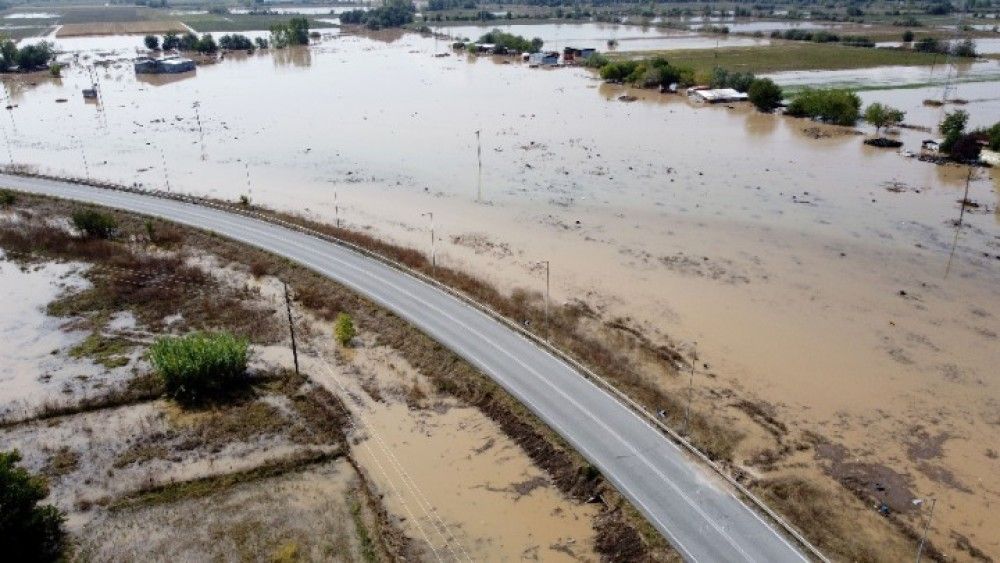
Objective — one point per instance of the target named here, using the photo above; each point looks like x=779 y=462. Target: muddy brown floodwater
x=823 y=276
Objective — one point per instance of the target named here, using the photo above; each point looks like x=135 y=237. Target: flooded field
x=891 y=77
x=596 y=35
x=823 y=276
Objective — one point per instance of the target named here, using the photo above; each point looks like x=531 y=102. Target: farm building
x=165 y=65
x=550 y=58
x=931 y=145
x=716 y=95
x=572 y=54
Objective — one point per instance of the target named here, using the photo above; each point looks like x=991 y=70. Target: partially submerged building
x=549 y=58
x=572 y=54
x=716 y=95
x=165 y=65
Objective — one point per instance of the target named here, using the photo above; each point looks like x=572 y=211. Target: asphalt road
x=687 y=503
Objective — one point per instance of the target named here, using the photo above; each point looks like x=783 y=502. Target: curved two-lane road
x=700 y=517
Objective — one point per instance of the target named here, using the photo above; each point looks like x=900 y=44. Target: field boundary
x=586 y=372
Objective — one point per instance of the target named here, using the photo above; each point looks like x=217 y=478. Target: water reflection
x=165 y=79
x=292 y=56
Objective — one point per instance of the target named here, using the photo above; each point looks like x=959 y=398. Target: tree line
x=30 y=57
x=395 y=13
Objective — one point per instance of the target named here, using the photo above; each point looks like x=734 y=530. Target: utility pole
x=201 y=133
x=83 y=156
x=247 y=168
x=433 y=253
x=687 y=406
x=291 y=328
x=927 y=525
x=166 y=177
x=336 y=210
x=479 y=157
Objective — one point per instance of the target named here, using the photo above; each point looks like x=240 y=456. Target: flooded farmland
x=823 y=276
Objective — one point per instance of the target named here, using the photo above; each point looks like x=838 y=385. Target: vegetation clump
x=30 y=57
x=648 y=73
x=511 y=42
x=28 y=532
x=879 y=116
x=200 y=365
x=832 y=105
x=739 y=81
x=95 y=224
x=7 y=198
x=295 y=32
x=764 y=94
x=152 y=42
x=394 y=13
x=343 y=329
x=236 y=42
x=965 y=48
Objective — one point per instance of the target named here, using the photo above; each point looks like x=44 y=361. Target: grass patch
x=201 y=365
x=108 y=352
x=61 y=462
x=784 y=56
x=368 y=550
x=244 y=22
x=174 y=492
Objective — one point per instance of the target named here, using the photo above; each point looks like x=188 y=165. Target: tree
x=206 y=45
x=28 y=532
x=883 y=116
x=952 y=127
x=188 y=42
x=261 y=43
x=171 y=41
x=95 y=224
x=833 y=105
x=907 y=36
x=34 y=56
x=966 y=48
x=965 y=148
x=765 y=94
x=152 y=42
x=343 y=329
x=927 y=45
x=8 y=52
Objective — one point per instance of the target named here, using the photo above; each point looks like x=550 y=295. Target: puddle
x=34 y=365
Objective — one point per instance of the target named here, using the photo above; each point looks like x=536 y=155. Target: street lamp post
x=927 y=525
x=430 y=214
x=687 y=406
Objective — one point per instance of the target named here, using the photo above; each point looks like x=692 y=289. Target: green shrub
x=28 y=532
x=512 y=42
x=200 y=365
x=832 y=105
x=343 y=329
x=765 y=94
x=739 y=81
x=7 y=198
x=95 y=224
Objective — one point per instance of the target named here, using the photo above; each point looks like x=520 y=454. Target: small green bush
x=201 y=365
x=95 y=224
x=7 y=198
x=343 y=329
x=28 y=532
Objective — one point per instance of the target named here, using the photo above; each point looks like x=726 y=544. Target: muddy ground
x=367 y=457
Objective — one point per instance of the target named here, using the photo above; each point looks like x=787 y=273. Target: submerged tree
x=765 y=94
x=880 y=116
x=152 y=42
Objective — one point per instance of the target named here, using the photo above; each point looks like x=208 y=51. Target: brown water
x=781 y=255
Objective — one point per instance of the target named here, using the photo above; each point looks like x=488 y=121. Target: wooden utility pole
x=291 y=328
